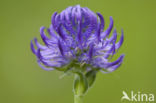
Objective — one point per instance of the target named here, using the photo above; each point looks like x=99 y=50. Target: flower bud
x=80 y=84
x=91 y=76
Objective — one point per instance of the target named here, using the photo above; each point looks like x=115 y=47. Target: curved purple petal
x=79 y=36
x=119 y=60
x=78 y=13
x=53 y=20
x=118 y=45
x=101 y=21
x=114 y=36
x=33 y=48
x=107 y=32
x=60 y=32
x=60 y=48
x=43 y=36
x=90 y=53
x=111 y=69
x=43 y=67
x=39 y=45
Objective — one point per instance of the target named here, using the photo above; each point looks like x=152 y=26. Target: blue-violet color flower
x=77 y=39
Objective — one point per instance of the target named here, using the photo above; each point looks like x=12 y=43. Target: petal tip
x=32 y=47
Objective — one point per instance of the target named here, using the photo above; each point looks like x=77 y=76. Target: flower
x=77 y=39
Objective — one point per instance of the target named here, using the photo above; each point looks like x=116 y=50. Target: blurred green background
x=23 y=81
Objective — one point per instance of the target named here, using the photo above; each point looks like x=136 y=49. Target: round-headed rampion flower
x=77 y=39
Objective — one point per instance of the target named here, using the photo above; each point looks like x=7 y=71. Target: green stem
x=78 y=99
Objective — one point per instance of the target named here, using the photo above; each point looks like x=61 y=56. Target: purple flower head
x=77 y=39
